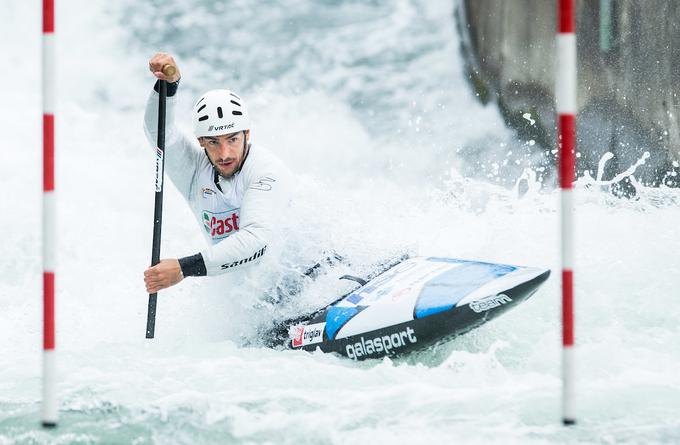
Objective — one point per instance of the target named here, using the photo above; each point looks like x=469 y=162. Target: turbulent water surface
x=367 y=103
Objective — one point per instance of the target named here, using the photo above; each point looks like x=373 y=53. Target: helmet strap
x=246 y=150
x=216 y=176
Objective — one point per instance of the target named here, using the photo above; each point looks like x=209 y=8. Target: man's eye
x=232 y=140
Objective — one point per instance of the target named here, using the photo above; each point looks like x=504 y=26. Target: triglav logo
x=308 y=334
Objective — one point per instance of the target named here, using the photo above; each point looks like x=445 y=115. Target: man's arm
x=264 y=208
x=181 y=154
x=265 y=205
x=181 y=160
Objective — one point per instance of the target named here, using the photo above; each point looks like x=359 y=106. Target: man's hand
x=157 y=63
x=163 y=275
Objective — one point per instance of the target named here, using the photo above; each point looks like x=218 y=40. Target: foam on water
x=377 y=175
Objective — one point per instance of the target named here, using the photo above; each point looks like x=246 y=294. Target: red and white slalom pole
x=566 y=109
x=49 y=412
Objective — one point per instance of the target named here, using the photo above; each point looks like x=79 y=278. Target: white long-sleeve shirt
x=240 y=221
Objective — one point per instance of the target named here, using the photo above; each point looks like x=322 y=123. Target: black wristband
x=172 y=87
x=193 y=266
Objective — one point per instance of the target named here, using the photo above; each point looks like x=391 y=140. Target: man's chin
x=226 y=173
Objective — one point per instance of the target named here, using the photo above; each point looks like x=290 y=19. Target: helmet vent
x=202 y=118
x=235 y=103
x=219 y=112
x=236 y=113
x=199 y=110
x=235 y=96
x=202 y=99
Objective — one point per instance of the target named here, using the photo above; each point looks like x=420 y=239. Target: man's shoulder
x=262 y=160
x=262 y=153
x=264 y=168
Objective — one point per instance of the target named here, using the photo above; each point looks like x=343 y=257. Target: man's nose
x=224 y=147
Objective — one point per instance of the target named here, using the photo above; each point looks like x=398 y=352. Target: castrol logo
x=220 y=225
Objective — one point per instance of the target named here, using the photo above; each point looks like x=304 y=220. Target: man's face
x=226 y=151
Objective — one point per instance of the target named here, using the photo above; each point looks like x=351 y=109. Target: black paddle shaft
x=158 y=204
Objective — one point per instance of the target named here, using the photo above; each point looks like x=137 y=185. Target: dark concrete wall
x=628 y=84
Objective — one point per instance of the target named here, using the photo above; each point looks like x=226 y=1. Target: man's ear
x=200 y=142
x=247 y=135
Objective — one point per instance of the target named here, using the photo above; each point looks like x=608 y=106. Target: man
x=237 y=191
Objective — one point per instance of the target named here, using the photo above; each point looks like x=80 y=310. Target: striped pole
x=566 y=109
x=49 y=395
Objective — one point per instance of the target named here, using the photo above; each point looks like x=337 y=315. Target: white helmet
x=220 y=112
